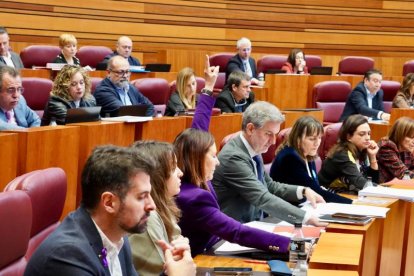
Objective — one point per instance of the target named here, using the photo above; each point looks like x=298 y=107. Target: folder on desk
x=345 y=220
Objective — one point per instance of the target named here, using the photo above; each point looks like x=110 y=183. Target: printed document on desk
x=403 y=194
x=128 y=119
x=331 y=208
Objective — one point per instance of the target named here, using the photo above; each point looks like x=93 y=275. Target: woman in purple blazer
x=201 y=219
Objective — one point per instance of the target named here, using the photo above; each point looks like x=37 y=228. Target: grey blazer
x=18 y=64
x=241 y=195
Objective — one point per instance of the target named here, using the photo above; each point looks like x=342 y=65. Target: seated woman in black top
x=185 y=96
x=68 y=44
x=295 y=158
x=71 y=89
x=352 y=159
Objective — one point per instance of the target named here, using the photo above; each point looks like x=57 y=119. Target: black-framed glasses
x=121 y=73
x=13 y=90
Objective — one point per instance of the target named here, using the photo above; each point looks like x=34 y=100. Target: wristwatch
x=207 y=91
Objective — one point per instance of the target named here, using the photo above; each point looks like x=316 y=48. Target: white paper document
x=128 y=119
x=332 y=208
x=404 y=194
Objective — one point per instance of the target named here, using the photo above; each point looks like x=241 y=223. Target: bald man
x=124 y=49
x=115 y=90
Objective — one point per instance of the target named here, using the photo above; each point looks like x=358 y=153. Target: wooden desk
x=292 y=115
x=45 y=147
x=379 y=130
x=401 y=112
x=287 y=91
x=36 y=73
x=93 y=134
x=161 y=129
x=8 y=157
x=260 y=93
x=337 y=251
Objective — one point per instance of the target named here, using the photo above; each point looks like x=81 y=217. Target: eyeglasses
x=121 y=73
x=13 y=90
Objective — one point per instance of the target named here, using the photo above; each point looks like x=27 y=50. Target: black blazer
x=236 y=64
x=225 y=102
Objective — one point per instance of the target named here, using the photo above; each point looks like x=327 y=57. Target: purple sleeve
x=202 y=116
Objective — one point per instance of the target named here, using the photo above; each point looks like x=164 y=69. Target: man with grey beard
x=115 y=90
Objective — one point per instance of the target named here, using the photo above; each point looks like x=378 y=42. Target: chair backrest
x=36 y=93
x=47 y=191
x=390 y=89
x=408 y=67
x=16 y=222
x=92 y=55
x=313 y=61
x=331 y=96
x=270 y=62
x=221 y=59
x=330 y=138
x=157 y=90
x=353 y=65
x=38 y=55
x=228 y=138
x=94 y=83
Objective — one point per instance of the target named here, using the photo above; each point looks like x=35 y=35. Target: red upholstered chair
x=329 y=139
x=38 y=55
x=390 y=88
x=270 y=62
x=92 y=55
x=408 y=67
x=355 y=65
x=220 y=59
x=47 y=192
x=331 y=96
x=16 y=221
x=313 y=61
x=157 y=90
x=228 y=138
x=36 y=93
x=95 y=81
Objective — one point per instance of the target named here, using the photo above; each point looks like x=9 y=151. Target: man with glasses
x=367 y=98
x=236 y=95
x=14 y=112
x=242 y=61
x=8 y=57
x=115 y=90
x=124 y=49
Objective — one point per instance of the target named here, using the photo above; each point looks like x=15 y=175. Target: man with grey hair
x=124 y=49
x=242 y=61
x=115 y=90
x=7 y=57
x=243 y=188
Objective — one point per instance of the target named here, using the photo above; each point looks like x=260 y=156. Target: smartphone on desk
x=233 y=271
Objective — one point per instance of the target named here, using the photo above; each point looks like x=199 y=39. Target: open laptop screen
x=83 y=114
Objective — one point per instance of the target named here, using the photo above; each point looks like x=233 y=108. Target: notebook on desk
x=83 y=114
x=131 y=110
x=158 y=67
x=321 y=70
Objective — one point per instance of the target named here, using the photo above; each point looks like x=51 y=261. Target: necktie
x=247 y=68
x=10 y=117
x=259 y=167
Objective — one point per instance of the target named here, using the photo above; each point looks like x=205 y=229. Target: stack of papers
x=128 y=119
x=404 y=194
x=332 y=208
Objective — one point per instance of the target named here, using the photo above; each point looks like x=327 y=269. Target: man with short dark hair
x=7 y=57
x=116 y=200
x=115 y=90
x=14 y=112
x=367 y=98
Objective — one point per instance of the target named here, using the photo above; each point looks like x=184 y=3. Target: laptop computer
x=158 y=67
x=321 y=70
x=275 y=71
x=131 y=110
x=83 y=114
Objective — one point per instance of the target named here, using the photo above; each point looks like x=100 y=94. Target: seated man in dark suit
x=366 y=98
x=242 y=61
x=14 y=112
x=115 y=90
x=116 y=200
x=236 y=95
x=8 y=57
x=124 y=49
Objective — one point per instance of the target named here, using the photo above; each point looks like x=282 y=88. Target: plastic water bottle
x=260 y=77
x=53 y=122
x=368 y=183
x=301 y=267
x=406 y=176
x=297 y=243
x=159 y=114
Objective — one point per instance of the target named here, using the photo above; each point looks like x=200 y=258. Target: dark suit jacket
x=236 y=64
x=74 y=248
x=357 y=103
x=61 y=59
x=107 y=97
x=131 y=60
x=18 y=64
x=225 y=102
x=241 y=195
x=289 y=167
